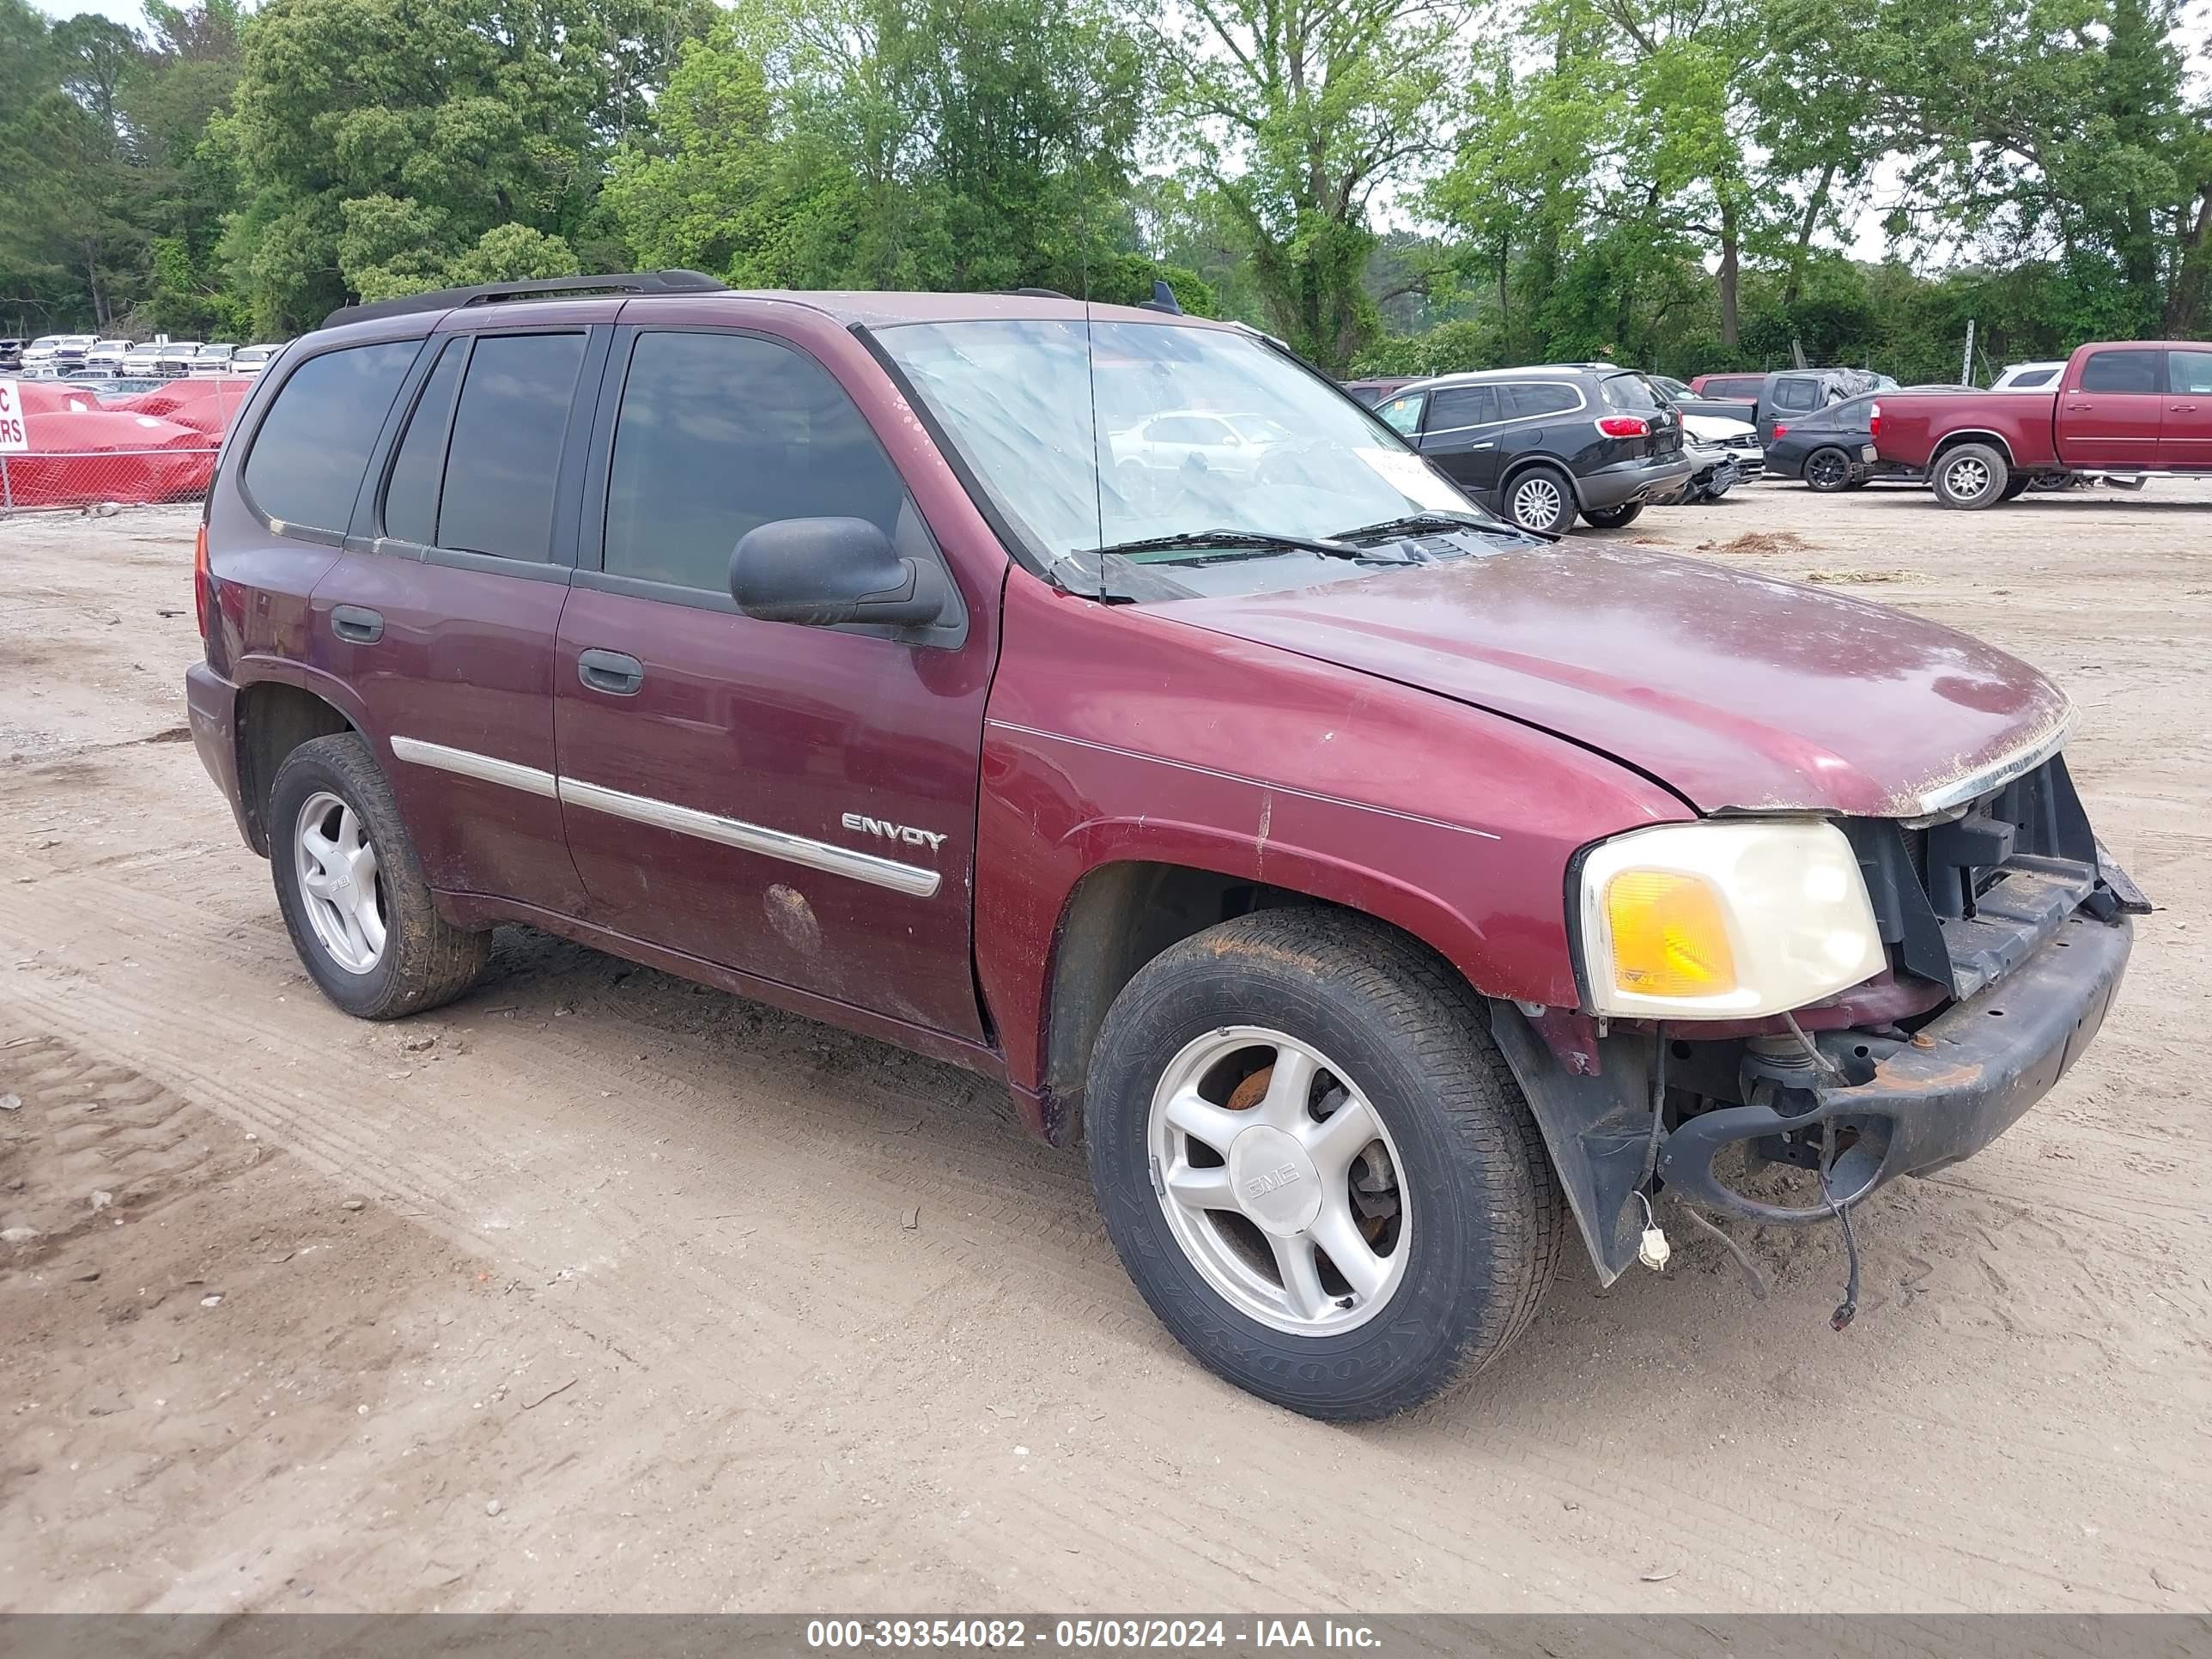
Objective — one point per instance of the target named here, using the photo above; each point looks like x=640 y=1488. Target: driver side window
x=1403 y=415
x=718 y=434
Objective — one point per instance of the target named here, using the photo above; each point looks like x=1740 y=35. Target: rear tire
x=2015 y=487
x=1970 y=476
x=1614 y=518
x=1541 y=499
x=1212 y=1236
x=352 y=889
x=1827 y=470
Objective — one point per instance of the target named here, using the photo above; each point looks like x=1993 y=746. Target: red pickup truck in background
x=2127 y=411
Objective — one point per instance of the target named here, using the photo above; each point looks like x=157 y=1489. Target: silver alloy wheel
x=1966 y=479
x=1536 y=503
x=1280 y=1180
x=339 y=886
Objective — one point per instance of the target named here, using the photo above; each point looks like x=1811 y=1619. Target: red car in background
x=2126 y=409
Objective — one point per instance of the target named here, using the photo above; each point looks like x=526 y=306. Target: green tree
x=381 y=140
x=1297 y=113
x=890 y=143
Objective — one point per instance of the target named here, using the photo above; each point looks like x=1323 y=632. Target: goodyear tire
x=1295 y=1086
x=352 y=889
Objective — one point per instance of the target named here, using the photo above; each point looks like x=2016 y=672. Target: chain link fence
x=84 y=447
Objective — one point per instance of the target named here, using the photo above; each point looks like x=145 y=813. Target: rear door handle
x=611 y=671
x=357 y=622
x=2183 y=409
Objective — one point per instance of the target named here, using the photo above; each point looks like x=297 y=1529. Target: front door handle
x=2183 y=409
x=357 y=622
x=611 y=671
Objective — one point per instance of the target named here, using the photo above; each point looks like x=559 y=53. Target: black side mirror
x=822 y=572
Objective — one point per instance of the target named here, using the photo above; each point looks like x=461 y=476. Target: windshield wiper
x=1412 y=523
x=1270 y=539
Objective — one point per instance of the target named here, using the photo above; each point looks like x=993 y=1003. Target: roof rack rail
x=487 y=293
x=1037 y=292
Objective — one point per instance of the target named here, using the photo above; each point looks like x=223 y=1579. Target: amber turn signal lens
x=1669 y=937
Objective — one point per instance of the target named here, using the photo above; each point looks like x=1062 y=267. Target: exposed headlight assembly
x=1727 y=919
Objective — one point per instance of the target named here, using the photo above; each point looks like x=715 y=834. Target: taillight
x=1624 y=426
x=1780 y=430
x=1874 y=420
x=203 y=583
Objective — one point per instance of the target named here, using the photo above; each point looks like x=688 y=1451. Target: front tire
x=1541 y=499
x=1970 y=476
x=352 y=889
x=1316 y=1165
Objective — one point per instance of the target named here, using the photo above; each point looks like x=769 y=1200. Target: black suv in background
x=1540 y=445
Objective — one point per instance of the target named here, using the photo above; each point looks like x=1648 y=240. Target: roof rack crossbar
x=487 y=294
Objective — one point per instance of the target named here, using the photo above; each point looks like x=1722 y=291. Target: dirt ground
x=595 y=1291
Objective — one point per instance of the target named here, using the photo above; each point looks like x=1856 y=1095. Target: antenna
x=1091 y=382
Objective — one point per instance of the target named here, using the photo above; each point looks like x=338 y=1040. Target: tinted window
x=2189 y=373
x=2120 y=371
x=410 y=499
x=1630 y=391
x=2035 y=377
x=506 y=453
x=721 y=433
x=312 y=447
x=1404 y=414
x=1530 y=399
x=1464 y=405
x=1790 y=393
x=1736 y=386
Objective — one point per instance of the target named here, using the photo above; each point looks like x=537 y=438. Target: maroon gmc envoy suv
x=1099 y=699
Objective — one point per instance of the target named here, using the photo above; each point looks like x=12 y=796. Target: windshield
x=1197 y=429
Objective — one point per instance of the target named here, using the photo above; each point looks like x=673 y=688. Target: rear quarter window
x=1534 y=399
x=1796 y=393
x=312 y=447
x=1630 y=391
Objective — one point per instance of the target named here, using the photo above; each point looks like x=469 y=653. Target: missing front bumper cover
x=1914 y=1105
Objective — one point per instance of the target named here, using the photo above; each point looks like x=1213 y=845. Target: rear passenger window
x=2120 y=371
x=721 y=433
x=312 y=447
x=411 y=499
x=1796 y=394
x=2037 y=377
x=505 y=457
x=1464 y=405
x=2190 y=373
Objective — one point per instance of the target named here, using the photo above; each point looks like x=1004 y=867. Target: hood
x=1738 y=692
x=1716 y=429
